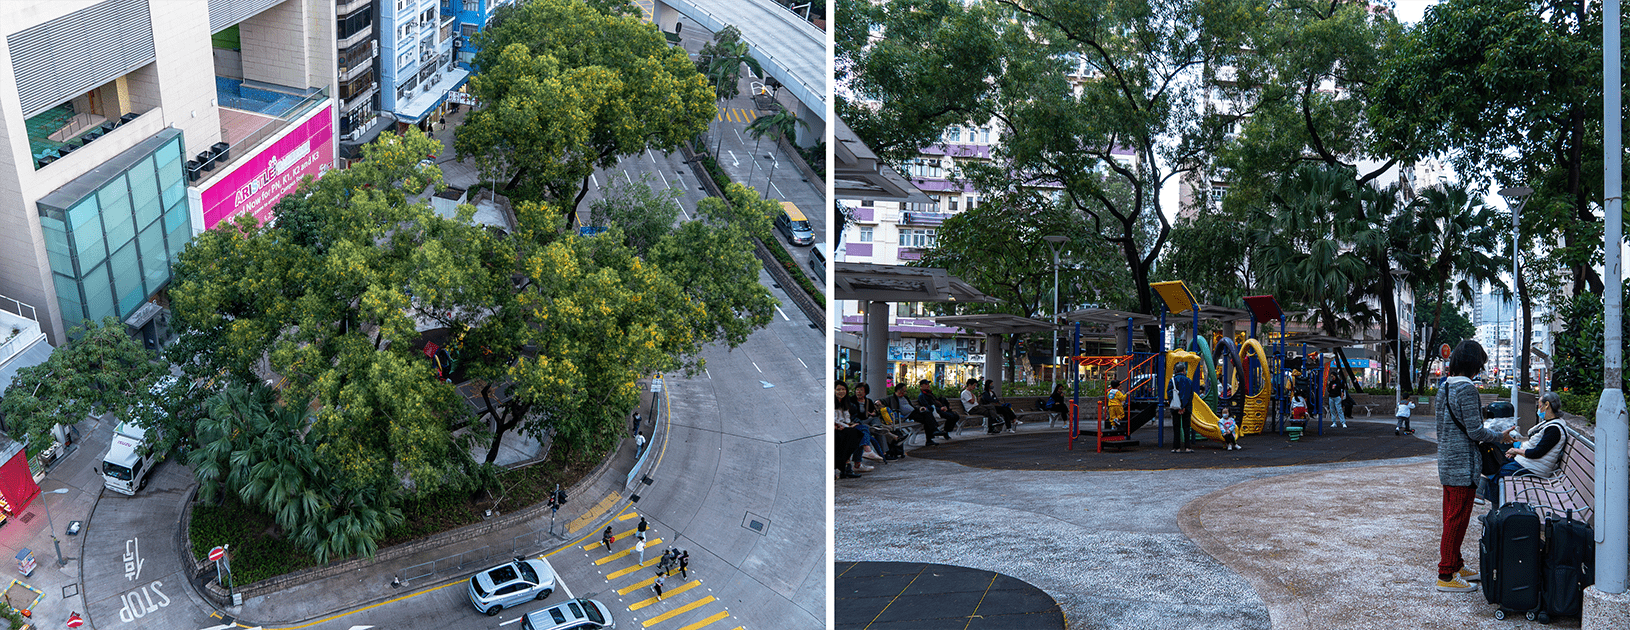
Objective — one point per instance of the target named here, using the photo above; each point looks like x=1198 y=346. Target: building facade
x=129 y=126
x=417 y=65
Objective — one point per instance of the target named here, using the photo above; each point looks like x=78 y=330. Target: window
x=866 y=203
x=953 y=204
x=472 y=6
x=925 y=167
x=970 y=205
x=429 y=16
x=953 y=134
x=401 y=4
x=1218 y=191
x=354 y=23
x=404 y=60
x=865 y=235
x=920 y=239
x=984 y=133
x=466 y=29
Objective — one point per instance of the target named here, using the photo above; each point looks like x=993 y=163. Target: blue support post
x=1160 y=381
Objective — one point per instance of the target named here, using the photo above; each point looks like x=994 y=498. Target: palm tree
x=720 y=61
x=1459 y=240
x=782 y=124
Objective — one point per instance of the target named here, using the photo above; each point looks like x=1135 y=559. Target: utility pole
x=1612 y=428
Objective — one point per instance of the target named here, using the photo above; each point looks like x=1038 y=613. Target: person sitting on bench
x=1054 y=403
x=903 y=410
x=970 y=401
x=933 y=404
x=1005 y=409
x=1543 y=448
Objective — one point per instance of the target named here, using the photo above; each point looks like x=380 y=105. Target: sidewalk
x=30 y=528
x=593 y=501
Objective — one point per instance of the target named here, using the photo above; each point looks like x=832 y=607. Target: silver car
x=512 y=584
x=577 y=614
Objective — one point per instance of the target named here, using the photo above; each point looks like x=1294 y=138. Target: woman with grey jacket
x=1459 y=424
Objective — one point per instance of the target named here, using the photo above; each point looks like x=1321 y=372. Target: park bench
x=1571 y=488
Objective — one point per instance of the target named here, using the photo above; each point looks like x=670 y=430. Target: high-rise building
x=417 y=65
x=129 y=126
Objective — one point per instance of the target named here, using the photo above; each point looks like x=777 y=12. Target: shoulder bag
x=1491 y=456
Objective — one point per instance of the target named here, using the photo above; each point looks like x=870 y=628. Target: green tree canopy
x=102 y=369
x=566 y=89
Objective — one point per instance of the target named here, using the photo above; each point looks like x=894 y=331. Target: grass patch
x=260 y=550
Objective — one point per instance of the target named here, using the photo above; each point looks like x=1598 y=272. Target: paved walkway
x=1334 y=544
x=913 y=595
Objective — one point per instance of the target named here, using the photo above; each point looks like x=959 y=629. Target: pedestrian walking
x=684 y=563
x=606 y=538
x=657 y=585
x=641 y=529
x=640 y=547
x=664 y=564
x=637 y=423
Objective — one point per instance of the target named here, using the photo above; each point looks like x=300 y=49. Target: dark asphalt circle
x=919 y=596
x=1359 y=441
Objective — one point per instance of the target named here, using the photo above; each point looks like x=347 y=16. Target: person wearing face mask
x=1541 y=452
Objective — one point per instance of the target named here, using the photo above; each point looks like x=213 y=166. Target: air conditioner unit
x=458 y=41
x=374 y=85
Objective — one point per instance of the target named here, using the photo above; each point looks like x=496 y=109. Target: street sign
x=1444 y=351
x=216 y=553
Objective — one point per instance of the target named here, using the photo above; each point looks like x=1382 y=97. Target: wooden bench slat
x=1571 y=488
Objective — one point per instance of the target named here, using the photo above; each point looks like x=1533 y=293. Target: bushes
x=780 y=253
x=259 y=549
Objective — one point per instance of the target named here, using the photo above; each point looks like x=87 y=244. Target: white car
x=576 y=614
x=512 y=584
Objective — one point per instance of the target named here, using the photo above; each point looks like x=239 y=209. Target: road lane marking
x=622 y=572
x=628 y=515
x=568 y=589
x=615 y=555
x=628 y=177
x=672 y=592
x=594 y=179
x=678 y=611
x=801 y=362
x=756 y=367
x=704 y=623
x=593 y=514
x=783 y=314
x=637 y=585
x=515 y=620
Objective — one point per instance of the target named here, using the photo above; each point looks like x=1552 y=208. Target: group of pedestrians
x=674 y=559
x=861 y=434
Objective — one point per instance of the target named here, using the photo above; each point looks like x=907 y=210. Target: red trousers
x=1457 y=515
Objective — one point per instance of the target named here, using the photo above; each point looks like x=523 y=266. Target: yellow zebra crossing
x=737 y=115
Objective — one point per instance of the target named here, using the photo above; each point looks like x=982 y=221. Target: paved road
x=131 y=566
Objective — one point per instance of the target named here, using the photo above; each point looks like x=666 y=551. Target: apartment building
x=417 y=65
x=129 y=126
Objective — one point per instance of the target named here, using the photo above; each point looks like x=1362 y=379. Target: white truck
x=126 y=466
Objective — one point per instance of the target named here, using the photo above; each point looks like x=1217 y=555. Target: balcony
x=250 y=113
x=359 y=98
x=357 y=37
x=354 y=62
x=346 y=7
x=447 y=28
x=57 y=132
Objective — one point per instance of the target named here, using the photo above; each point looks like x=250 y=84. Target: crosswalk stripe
x=637 y=585
x=594 y=513
x=619 y=535
x=628 y=515
x=703 y=623
x=622 y=572
x=671 y=592
x=677 y=611
x=648 y=544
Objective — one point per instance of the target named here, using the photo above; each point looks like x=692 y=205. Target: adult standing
x=1181 y=405
x=1338 y=393
x=1460 y=426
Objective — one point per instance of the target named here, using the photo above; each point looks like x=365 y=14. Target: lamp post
x=1516 y=197
x=1052 y=243
x=53 y=525
x=1612 y=429
x=1398 y=275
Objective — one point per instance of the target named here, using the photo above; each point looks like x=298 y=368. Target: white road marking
x=766 y=384
x=709 y=374
x=628 y=177
x=756 y=367
x=515 y=620
x=733 y=160
x=651 y=155
x=777 y=190
x=594 y=179
x=738 y=136
x=360 y=627
x=783 y=314
x=801 y=361
x=664 y=178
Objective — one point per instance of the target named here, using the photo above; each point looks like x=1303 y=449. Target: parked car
x=817 y=260
x=512 y=584
x=577 y=614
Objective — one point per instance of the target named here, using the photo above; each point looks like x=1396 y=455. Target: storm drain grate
x=71 y=590
x=27 y=517
x=756 y=523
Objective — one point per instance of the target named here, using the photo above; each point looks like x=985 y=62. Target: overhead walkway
x=789 y=48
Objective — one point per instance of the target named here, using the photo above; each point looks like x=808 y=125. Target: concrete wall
x=187 y=86
x=275 y=45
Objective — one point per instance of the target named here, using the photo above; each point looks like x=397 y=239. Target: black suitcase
x=1509 y=555
x=1570 y=548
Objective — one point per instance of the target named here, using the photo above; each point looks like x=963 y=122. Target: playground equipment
x=1264 y=309
x=1257 y=390
x=1135 y=370
x=1202 y=419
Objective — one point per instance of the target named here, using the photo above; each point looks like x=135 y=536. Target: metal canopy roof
x=857 y=172
x=1264 y=308
x=995 y=323
x=1109 y=316
x=1319 y=341
x=896 y=283
x=1223 y=313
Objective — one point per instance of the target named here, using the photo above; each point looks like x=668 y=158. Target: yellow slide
x=1202 y=419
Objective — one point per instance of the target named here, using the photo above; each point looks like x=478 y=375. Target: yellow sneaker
x=1469 y=575
x=1455 y=585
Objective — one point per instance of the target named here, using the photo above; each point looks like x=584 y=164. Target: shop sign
x=257 y=183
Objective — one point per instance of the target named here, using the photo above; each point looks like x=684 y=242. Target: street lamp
x=53 y=525
x=1515 y=197
x=1398 y=275
x=1052 y=243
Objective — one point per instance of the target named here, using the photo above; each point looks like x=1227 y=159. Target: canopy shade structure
x=1175 y=294
x=1110 y=317
x=897 y=283
x=995 y=323
x=857 y=172
x=1321 y=342
x=1264 y=308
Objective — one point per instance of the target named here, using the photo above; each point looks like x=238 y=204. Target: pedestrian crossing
x=647 y=7
x=736 y=115
x=687 y=603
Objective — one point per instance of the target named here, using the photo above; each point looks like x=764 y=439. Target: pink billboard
x=261 y=180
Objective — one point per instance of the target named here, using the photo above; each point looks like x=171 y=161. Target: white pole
x=1054 y=353
x=1612 y=430
x=1516 y=376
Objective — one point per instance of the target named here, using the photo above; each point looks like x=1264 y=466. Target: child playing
x=1298 y=408
x=1229 y=429
x=1117 y=405
x=1405 y=408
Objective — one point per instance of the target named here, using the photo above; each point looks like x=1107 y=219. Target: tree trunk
x=1341 y=353
x=1437 y=327
x=582 y=191
x=516 y=180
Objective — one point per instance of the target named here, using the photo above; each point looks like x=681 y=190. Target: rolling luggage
x=1570 y=547
x=1510 y=555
